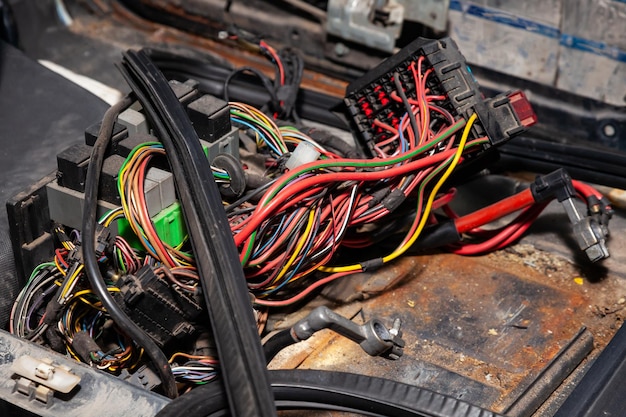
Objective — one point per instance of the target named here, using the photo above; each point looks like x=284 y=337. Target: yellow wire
x=299 y=246
x=61 y=270
x=400 y=250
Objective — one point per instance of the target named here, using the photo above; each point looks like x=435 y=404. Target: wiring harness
x=300 y=209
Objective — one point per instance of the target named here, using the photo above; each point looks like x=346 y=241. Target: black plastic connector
x=104 y=239
x=369 y=98
x=185 y=92
x=107 y=190
x=91 y=133
x=163 y=311
x=72 y=166
x=125 y=146
x=557 y=184
x=210 y=117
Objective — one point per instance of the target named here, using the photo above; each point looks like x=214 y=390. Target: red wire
x=60 y=253
x=263 y=212
x=307 y=291
x=277 y=60
x=506 y=235
x=586 y=190
x=495 y=211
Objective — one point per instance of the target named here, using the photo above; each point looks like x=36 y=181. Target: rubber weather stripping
x=336 y=391
x=91 y=263
x=223 y=283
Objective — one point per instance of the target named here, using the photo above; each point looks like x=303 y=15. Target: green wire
x=332 y=163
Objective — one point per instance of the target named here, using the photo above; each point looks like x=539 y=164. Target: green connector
x=168 y=223
x=125 y=231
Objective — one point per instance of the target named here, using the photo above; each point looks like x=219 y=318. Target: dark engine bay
x=301 y=207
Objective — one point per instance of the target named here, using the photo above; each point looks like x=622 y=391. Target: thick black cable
x=278 y=342
x=8 y=27
x=223 y=284
x=89 y=253
x=253 y=193
x=311 y=389
x=265 y=81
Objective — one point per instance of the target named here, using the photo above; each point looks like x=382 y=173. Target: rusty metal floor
x=502 y=331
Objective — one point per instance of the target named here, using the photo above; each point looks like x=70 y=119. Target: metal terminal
x=374 y=23
x=588 y=232
x=373 y=337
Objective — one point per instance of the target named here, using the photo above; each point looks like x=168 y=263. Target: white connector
x=303 y=154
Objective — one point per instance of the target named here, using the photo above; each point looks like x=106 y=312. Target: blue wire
x=273 y=238
x=259 y=132
x=403 y=141
x=297 y=267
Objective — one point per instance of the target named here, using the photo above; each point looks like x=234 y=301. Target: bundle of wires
x=57 y=296
x=288 y=71
x=197 y=369
x=290 y=239
x=310 y=212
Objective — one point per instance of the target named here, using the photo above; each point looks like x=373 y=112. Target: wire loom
x=290 y=241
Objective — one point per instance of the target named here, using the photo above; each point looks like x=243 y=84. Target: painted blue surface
x=569 y=41
x=595 y=47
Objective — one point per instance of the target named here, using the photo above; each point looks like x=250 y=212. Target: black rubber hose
x=89 y=253
x=311 y=389
x=224 y=286
x=310 y=104
x=278 y=342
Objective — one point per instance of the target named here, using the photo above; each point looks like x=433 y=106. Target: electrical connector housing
x=369 y=98
x=162 y=310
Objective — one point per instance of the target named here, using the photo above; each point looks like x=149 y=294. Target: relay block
x=370 y=97
x=60 y=199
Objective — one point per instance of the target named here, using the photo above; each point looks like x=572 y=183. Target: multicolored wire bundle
x=313 y=211
x=307 y=225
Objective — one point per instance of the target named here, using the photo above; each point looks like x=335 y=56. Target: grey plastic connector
x=373 y=337
x=589 y=234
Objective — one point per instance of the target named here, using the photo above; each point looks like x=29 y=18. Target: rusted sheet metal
x=370 y=284
x=472 y=329
x=154 y=34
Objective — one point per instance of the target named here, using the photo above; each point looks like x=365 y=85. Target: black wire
x=91 y=263
x=405 y=101
x=278 y=342
x=293 y=65
x=265 y=81
x=229 y=208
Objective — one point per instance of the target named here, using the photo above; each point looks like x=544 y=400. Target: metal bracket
x=355 y=20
